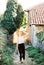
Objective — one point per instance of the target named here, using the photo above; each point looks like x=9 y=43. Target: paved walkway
x=27 y=60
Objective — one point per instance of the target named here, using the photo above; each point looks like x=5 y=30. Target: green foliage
x=8 y=18
x=40 y=35
x=6 y=59
x=42 y=63
x=11 y=47
x=7 y=56
x=30 y=48
x=32 y=51
x=37 y=55
x=13 y=17
x=6 y=48
x=11 y=5
x=11 y=27
x=40 y=59
x=21 y=17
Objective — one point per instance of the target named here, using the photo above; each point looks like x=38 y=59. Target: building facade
x=36 y=22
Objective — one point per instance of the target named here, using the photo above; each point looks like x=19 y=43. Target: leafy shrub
x=7 y=56
x=40 y=59
x=32 y=51
x=30 y=48
x=7 y=59
x=42 y=63
x=11 y=47
x=36 y=55
x=40 y=35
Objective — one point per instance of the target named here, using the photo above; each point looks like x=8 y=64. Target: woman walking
x=21 y=46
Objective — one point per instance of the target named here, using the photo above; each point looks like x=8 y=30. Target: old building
x=36 y=22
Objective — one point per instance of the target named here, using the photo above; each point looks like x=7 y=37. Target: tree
x=8 y=18
x=20 y=18
x=13 y=16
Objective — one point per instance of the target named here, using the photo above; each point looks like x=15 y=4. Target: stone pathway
x=27 y=60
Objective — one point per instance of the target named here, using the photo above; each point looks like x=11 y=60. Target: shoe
x=21 y=62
